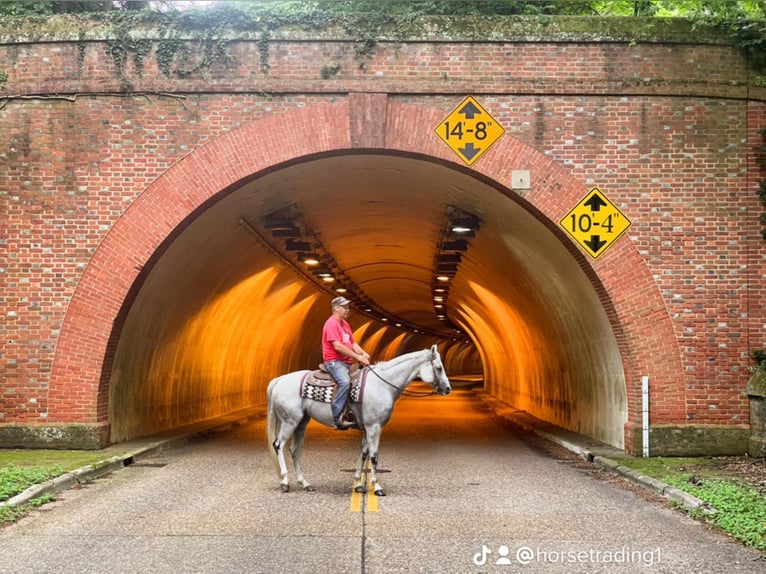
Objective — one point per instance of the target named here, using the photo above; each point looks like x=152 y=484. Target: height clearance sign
x=595 y=223
x=469 y=130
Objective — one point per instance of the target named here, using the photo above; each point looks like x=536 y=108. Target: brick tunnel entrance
x=193 y=302
x=230 y=303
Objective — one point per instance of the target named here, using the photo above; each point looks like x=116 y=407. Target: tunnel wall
x=99 y=179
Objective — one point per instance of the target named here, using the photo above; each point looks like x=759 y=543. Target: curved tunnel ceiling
x=219 y=314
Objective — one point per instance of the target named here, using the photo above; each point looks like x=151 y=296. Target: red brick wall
x=667 y=131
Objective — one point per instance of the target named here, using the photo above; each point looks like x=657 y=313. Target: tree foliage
x=722 y=10
x=50 y=7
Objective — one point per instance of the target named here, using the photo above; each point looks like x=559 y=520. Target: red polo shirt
x=335 y=330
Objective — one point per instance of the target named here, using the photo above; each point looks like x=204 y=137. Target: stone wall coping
x=484 y=29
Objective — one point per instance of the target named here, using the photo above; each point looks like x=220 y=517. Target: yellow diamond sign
x=469 y=130
x=595 y=223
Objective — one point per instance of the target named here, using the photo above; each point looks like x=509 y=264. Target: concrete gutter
x=605 y=456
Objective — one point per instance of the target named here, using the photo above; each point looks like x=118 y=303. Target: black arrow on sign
x=469 y=110
x=595 y=243
x=595 y=202
x=469 y=151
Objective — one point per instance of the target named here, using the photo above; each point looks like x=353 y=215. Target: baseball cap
x=340 y=302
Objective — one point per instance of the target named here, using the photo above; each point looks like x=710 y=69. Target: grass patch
x=15 y=479
x=66 y=459
x=740 y=510
x=22 y=468
x=658 y=467
x=11 y=513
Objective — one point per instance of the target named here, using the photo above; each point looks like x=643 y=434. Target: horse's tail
x=272 y=423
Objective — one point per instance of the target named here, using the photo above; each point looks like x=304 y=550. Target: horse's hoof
x=309 y=488
x=380 y=492
x=285 y=487
x=359 y=488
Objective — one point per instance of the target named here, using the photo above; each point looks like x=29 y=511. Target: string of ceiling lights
x=298 y=246
x=458 y=227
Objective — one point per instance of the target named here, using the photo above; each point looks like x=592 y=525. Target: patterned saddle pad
x=320 y=386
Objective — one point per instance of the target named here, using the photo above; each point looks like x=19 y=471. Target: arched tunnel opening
x=227 y=306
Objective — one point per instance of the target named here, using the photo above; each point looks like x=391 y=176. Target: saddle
x=319 y=385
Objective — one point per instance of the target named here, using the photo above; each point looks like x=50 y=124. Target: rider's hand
x=364 y=358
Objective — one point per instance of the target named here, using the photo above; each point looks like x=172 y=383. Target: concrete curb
x=152 y=446
x=585 y=449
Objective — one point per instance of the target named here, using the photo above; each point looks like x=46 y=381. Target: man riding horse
x=339 y=351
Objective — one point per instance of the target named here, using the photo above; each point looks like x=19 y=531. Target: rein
x=404 y=392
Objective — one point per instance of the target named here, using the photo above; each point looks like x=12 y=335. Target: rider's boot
x=341 y=424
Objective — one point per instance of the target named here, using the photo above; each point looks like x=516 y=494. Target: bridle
x=405 y=392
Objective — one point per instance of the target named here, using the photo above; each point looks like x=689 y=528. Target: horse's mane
x=400 y=359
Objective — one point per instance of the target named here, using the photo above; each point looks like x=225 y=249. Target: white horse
x=288 y=413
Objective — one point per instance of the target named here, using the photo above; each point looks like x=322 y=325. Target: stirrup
x=342 y=425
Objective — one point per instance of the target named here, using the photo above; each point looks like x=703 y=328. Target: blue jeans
x=339 y=372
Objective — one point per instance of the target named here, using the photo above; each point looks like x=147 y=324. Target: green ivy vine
x=3 y=78
x=80 y=52
x=761 y=151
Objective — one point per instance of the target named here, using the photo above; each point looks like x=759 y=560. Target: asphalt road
x=465 y=494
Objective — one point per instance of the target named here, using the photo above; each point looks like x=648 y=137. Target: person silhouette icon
x=503 y=551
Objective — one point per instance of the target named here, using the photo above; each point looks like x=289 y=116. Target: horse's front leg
x=364 y=453
x=373 y=440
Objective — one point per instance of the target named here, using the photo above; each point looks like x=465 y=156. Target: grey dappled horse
x=289 y=413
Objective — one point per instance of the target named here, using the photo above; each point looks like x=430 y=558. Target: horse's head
x=432 y=372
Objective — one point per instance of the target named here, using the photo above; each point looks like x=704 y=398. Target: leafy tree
x=49 y=7
x=716 y=10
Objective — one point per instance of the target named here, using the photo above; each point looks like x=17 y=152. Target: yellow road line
x=356 y=498
x=372 y=500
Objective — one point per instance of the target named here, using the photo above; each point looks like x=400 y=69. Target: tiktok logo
x=480 y=558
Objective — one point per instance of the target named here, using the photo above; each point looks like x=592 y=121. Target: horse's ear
x=433 y=351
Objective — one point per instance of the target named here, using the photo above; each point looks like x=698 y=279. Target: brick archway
x=622 y=281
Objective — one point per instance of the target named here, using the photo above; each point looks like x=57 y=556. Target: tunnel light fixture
x=455 y=245
x=454 y=258
x=291 y=232
x=341 y=290
x=458 y=226
x=464 y=224
x=310 y=259
x=328 y=279
x=273 y=222
x=295 y=245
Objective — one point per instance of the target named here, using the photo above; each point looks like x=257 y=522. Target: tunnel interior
x=226 y=307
